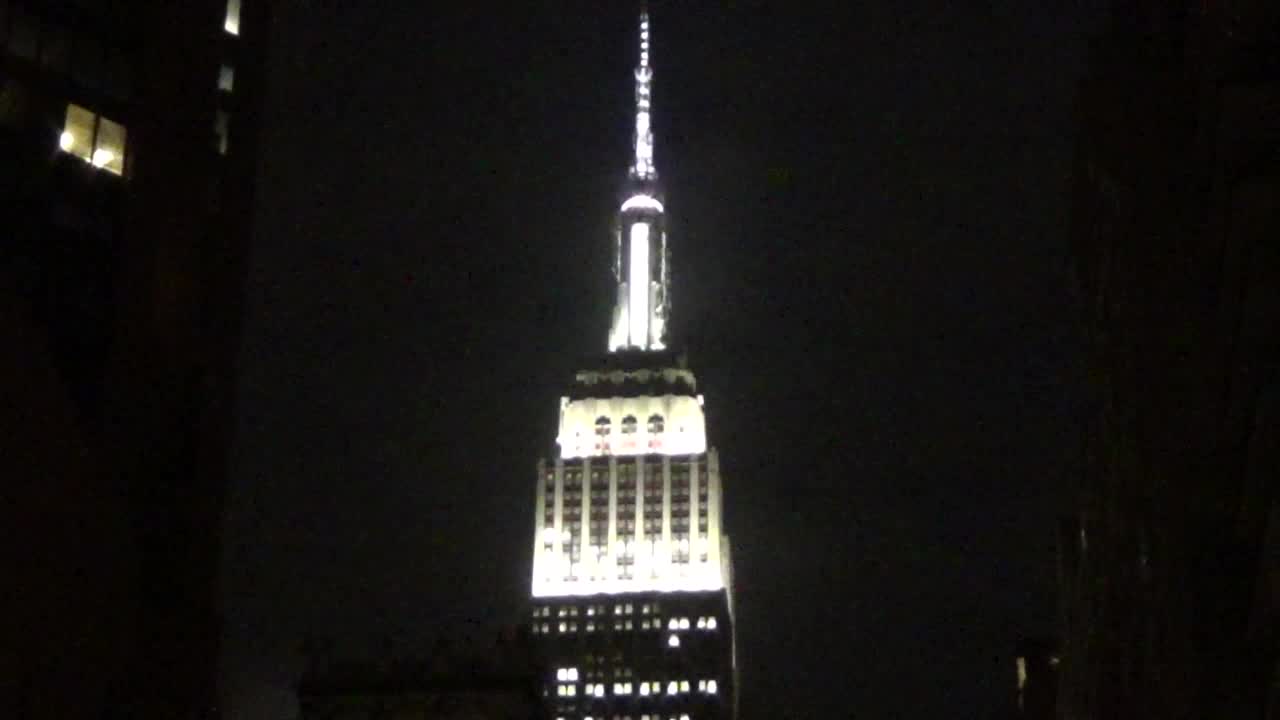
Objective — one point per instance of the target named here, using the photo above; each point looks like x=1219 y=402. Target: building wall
x=628 y=524
x=1168 y=558
x=120 y=287
x=637 y=656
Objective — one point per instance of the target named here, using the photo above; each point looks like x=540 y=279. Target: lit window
x=673 y=624
x=684 y=686
x=563 y=627
x=77 y=132
x=591 y=610
x=684 y=623
x=702 y=623
x=711 y=687
x=221 y=131
x=226 y=78
x=711 y=623
x=599 y=690
x=232 y=22
x=629 y=609
x=684 y=717
x=644 y=689
x=673 y=641
x=572 y=674
x=591 y=626
x=673 y=687
x=571 y=690
x=96 y=139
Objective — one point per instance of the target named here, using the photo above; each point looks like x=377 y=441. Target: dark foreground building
x=127 y=155
x=1171 y=584
x=632 y=607
x=499 y=682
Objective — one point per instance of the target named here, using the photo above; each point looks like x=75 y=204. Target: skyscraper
x=1170 y=585
x=128 y=161
x=631 y=571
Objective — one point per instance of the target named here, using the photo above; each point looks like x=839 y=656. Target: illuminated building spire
x=643 y=169
x=640 y=262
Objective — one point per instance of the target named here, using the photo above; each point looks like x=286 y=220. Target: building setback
x=632 y=607
x=127 y=159
x=1170 y=584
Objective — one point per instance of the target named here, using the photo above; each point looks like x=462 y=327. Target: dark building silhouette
x=500 y=680
x=1169 y=559
x=127 y=158
x=1036 y=662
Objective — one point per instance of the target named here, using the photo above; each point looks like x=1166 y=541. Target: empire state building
x=632 y=606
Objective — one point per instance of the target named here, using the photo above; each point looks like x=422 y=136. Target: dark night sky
x=867 y=217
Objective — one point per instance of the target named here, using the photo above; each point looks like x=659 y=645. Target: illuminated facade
x=631 y=568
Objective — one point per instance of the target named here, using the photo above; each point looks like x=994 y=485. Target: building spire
x=643 y=168
x=640 y=262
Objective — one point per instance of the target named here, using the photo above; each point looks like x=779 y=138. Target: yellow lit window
x=77 y=132
x=108 y=151
x=94 y=139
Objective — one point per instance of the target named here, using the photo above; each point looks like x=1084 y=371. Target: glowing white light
x=684 y=623
x=711 y=687
x=571 y=690
x=573 y=674
x=644 y=689
x=102 y=156
x=684 y=686
x=673 y=624
x=548 y=535
x=562 y=674
x=702 y=623
x=645 y=202
x=673 y=641
x=66 y=140
x=232 y=22
x=711 y=623
x=672 y=688
x=684 y=717
x=600 y=690
x=638 y=284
